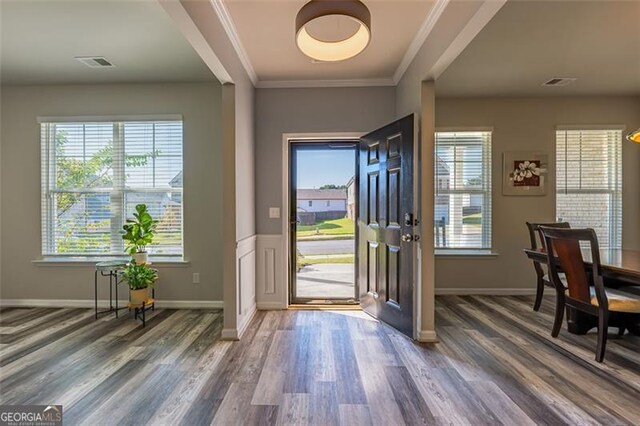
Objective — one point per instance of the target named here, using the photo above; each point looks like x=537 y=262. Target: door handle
x=407 y=238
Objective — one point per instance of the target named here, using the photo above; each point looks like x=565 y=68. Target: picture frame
x=524 y=173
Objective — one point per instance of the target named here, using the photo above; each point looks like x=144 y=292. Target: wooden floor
x=496 y=364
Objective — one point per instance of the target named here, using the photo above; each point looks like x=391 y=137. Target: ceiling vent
x=95 y=61
x=559 y=81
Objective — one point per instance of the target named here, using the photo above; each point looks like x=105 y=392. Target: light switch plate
x=274 y=212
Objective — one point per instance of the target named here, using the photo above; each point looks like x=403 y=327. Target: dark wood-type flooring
x=495 y=364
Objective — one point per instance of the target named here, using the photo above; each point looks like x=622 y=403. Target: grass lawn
x=472 y=219
x=342 y=227
x=323 y=258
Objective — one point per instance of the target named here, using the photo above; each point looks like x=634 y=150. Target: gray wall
x=521 y=124
x=21 y=241
x=278 y=111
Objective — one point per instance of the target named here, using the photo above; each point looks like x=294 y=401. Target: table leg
x=116 y=295
x=95 y=291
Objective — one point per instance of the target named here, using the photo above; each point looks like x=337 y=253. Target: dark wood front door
x=386 y=224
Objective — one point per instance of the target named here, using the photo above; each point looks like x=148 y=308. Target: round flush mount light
x=333 y=30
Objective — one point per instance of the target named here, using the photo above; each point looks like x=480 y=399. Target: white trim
x=236 y=333
x=230 y=28
x=453 y=129
x=477 y=22
x=461 y=253
x=562 y=127
x=103 y=303
x=361 y=82
x=192 y=33
x=53 y=262
x=229 y=334
x=246 y=243
x=245 y=324
x=485 y=291
x=420 y=38
x=270 y=306
x=109 y=118
x=427 y=336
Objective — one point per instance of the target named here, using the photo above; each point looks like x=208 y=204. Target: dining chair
x=542 y=277
x=585 y=292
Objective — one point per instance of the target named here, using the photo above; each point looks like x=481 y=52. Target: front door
x=386 y=224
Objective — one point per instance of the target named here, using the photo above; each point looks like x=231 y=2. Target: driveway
x=327 y=281
x=327 y=246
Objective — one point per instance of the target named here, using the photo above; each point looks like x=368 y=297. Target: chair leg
x=560 y=308
x=539 y=294
x=603 y=328
x=621 y=330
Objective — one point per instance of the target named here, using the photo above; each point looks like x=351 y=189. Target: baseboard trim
x=89 y=303
x=229 y=334
x=245 y=324
x=427 y=336
x=270 y=306
x=485 y=291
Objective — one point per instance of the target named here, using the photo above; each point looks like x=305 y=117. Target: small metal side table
x=111 y=269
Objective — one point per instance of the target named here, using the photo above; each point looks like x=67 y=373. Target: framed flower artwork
x=524 y=173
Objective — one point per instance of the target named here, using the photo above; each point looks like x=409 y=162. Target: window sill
x=460 y=254
x=91 y=261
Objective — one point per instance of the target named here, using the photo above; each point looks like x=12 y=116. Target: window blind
x=589 y=182
x=94 y=174
x=463 y=190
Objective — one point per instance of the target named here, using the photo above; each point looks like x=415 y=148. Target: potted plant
x=138 y=233
x=140 y=279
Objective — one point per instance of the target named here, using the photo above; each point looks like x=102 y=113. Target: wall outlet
x=196 y=278
x=274 y=212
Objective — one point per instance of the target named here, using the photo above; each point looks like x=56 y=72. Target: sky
x=326 y=166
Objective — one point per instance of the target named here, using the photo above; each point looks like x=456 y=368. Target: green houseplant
x=138 y=233
x=140 y=279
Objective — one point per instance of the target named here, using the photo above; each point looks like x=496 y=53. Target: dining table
x=620 y=268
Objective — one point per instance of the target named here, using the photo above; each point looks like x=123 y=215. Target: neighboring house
x=351 y=198
x=322 y=200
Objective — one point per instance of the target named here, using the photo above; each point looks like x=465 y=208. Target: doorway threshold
x=329 y=305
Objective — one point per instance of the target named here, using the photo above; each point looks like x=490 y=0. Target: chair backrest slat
x=567 y=255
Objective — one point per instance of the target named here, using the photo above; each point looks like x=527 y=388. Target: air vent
x=559 y=81
x=95 y=61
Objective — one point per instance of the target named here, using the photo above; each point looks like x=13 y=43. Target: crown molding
x=419 y=39
x=230 y=28
x=363 y=82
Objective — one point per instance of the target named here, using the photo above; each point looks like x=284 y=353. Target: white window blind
x=589 y=182
x=94 y=174
x=463 y=190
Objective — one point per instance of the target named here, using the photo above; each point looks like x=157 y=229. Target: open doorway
x=323 y=209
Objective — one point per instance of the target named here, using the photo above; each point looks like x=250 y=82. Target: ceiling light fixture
x=634 y=136
x=333 y=30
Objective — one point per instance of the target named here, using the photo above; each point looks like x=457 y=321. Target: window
x=95 y=173
x=589 y=182
x=310 y=203
x=328 y=203
x=463 y=190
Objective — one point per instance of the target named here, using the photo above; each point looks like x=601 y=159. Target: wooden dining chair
x=585 y=292
x=542 y=277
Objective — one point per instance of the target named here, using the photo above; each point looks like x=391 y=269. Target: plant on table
x=139 y=233
x=140 y=278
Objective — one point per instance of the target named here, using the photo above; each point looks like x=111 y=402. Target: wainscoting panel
x=271 y=283
x=246 y=281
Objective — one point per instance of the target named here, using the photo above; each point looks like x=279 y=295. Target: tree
x=73 y=173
